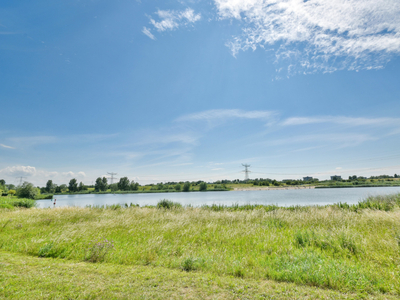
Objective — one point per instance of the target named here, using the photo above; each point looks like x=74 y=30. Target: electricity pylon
x=246 y=171
x=112 y=176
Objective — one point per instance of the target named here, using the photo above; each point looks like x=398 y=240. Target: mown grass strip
x=25 y=277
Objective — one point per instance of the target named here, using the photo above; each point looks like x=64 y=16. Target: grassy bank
x=349 y=249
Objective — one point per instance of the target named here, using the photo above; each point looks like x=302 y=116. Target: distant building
x=336 y=177
x=307 y=178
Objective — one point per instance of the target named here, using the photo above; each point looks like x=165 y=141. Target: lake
x=277 y=197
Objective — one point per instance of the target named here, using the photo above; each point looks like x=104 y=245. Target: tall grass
x=333 y=247
x=11 y=202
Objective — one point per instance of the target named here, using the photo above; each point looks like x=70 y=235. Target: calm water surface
x=277 y=197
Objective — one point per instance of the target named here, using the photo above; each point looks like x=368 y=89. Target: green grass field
x=211 y=252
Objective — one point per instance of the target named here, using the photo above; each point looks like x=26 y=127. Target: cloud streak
x=342 y=121
x=5 y=146
x=171 y=20
x=219 y=115
x=147 y=32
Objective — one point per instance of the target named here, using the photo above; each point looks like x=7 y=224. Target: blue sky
x=190 y=90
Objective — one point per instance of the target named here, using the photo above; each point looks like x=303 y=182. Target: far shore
x=267 y=188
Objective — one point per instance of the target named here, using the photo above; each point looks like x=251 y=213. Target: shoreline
x=267 y=188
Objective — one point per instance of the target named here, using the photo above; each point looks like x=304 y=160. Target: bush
x=188 y=264
x=203 y=186
x=167 y=204
x=186 y=186
x=98 y=250
x=27 y=190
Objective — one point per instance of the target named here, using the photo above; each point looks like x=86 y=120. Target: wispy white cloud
x=147 y=32
x=317 y=35
x=220 y=115
x=5 y=146
x=342 y=120
x=172 y=19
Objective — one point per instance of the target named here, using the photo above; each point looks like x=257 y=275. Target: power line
x=246 y=171
x=112 y=176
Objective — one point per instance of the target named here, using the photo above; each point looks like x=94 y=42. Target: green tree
x=134 y=186
x=105 y=184
x=49 y=186
x=186 y=186
x=2 y=182
x=27 y=190
x=114 y=187
x=63 y=188
x=73 y=185
x=58 y=189
x=124 y=184
x=98 y=186
x=11 y=186
x=177 y=187
x=101 y=184
x=82 y=187
x=203 y=186
x=12 y=192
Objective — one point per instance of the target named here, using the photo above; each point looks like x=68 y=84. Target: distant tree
x=81 y=187
x=73 y=185
x=105 y=184
x=98 y=185
x=49 y=186
x=160 y=186
x=178 y=187
x=63 y=188
x=12 y=192
x=10 y=186
x=27 y=190
x=101 y=184
x=2 y=182
x=58 y=189
x=134 y=186
x=113 y=187
x=186 y=186
x=124 y=184
x=203 y=186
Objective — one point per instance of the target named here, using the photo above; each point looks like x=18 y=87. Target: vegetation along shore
x=252 y=251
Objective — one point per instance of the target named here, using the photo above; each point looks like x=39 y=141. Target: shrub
x=186 y=186
x=98 y=250
x=27 y=190
x=167 y=204
x=188 y=264
x=203 y=186
x=27 y=203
